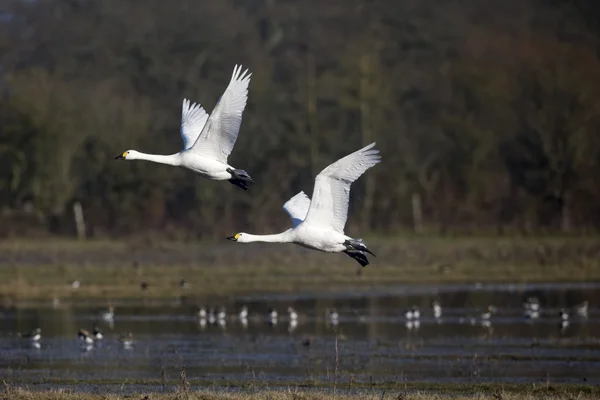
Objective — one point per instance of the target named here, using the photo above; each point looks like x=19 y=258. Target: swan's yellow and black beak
x=234 y=238
x=121 y=156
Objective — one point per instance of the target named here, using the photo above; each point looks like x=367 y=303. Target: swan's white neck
x=283 y=237
x=172 y=159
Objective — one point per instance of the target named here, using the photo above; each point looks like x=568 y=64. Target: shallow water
x=374 y=340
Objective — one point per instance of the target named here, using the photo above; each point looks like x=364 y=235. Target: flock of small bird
x=211 y=316
x=86 y=337
x=412 y=316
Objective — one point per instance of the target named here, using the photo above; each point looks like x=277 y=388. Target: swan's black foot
x=240 y=178
x=360 y=257
x=358 y=244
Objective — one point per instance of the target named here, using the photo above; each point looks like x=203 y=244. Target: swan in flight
x=208 y=141
x=319 y=224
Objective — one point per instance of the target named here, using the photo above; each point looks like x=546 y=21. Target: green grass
x=39 y=270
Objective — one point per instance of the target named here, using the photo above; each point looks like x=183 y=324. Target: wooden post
x=79 y=221
x=417 y=213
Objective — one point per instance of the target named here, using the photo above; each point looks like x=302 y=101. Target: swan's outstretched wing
x=331 y=194
x=193 y=119
x=221 y=130
x=297 y=207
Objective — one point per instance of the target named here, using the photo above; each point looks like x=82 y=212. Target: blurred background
x=487 y=114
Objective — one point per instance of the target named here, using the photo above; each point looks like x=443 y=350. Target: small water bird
x=532 y=308
x=126 y=340
x=108 y=314
x=272 y=316
x=208 y=141
x=85 y=336
x=334 y=317
x=582 y=309
x=437 y=309
x=319 y=224
x=243 y=314
x=97 y=334
x=212 y=318
x=532 y=304
x=413 y=313
x=488 y=314
x=34 y=335
x=222 y=314
x=202 y=313
x=75 y=284
x=564 y=318
x=183 y=284
x=486 y=322
x=292 y=314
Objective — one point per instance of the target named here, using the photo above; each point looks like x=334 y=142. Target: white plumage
x=319 y=223
x=193 y=119
x=220 y=132
x=209 y=140
x=331 y=194
x=297 y=207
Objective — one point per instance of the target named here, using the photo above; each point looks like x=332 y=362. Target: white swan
x=319 y=224
x=208 y=141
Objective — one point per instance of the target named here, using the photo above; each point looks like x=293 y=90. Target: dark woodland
x=487 y=113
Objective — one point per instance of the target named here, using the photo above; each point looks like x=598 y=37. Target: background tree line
x=489 y=112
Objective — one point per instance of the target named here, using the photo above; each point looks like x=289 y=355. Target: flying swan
x=208 y=141
x=319 y=224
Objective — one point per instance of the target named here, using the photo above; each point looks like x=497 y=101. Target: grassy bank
x=453 y=391
x=113 y=270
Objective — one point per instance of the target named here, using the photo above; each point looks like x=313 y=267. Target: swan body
x=208 y=140
x=319 y=223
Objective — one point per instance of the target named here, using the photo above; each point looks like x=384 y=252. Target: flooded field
x=482 y=333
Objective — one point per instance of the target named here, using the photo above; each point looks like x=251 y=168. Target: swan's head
x=128 y=155
x=239 y=237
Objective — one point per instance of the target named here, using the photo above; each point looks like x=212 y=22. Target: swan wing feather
x=193 y=119
x=331 y=193
x=220 y=132
x=297 y=207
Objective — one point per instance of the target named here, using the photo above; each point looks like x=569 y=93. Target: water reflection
x=459 y=332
